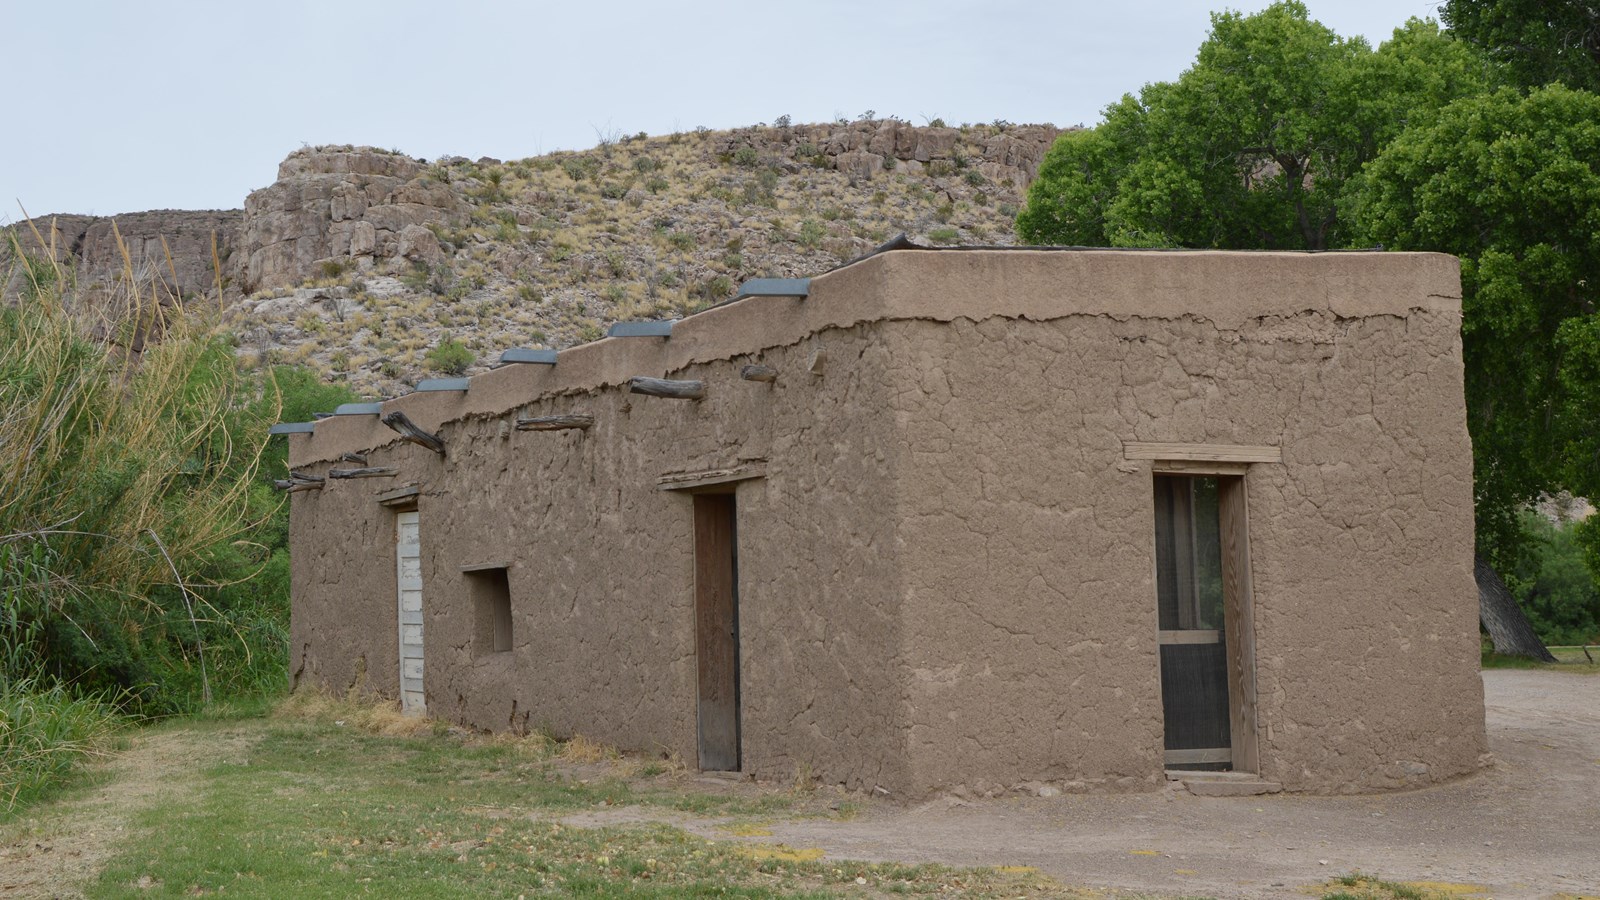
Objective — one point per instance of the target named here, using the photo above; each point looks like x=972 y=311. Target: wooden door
x=408 y=571
x=716 y=607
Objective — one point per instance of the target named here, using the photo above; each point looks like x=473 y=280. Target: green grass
x=1568 y=659
x=318 y=810
x=45 y=733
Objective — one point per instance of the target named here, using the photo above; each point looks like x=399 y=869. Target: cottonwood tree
x=1510 y=182
x=1254 y=145
x=1535 y=42
x=1265 y=143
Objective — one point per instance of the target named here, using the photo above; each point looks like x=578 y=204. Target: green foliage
x=944 y=235
x=1511 y=184
x=143 y=562
x=45 y=731
x=1253 y=146
x=1556 y=590
x=1534 y=42
x=450 y=357
x=1283 y=135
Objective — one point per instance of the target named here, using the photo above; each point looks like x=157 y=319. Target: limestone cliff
x=358 y=260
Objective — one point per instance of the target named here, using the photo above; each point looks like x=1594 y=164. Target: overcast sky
x=118 y=106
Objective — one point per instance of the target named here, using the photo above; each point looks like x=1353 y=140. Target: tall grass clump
x=44 y=732
x=129 y=508
x=128 y=448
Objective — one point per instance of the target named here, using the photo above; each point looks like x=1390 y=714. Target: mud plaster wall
x=601 y=567
x=1029 y=543
x=967 y=426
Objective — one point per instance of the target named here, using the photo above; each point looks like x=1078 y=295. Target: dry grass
x=354 y=710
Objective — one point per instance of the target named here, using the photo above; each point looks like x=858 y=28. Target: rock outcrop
x=174 y=248
x=332 y=204
x=867 y=148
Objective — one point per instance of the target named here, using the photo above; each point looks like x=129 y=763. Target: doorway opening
x=716 y=610
x=1204 y=620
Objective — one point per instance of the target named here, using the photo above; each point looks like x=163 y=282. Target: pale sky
x=118 y=106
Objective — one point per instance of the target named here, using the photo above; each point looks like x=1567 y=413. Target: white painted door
x=408 y=562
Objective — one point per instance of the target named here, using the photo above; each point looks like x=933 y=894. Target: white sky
x=117 y=106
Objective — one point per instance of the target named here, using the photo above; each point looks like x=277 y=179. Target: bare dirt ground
x=1528 y=827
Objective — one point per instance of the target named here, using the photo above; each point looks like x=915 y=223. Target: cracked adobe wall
x=601 y=562
x=1028 y=538
x=948 y=548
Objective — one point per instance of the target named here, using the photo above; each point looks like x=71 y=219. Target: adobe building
x=938 y=520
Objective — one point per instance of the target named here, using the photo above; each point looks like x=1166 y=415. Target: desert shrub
x=717 y=288
x=450 y=357
x=944 y=235
x=746 y=157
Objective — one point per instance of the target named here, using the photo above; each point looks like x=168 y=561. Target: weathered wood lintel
x=1230 y=453
x=689 y=481
x=359 y=459
x=662 y=387
x=759 y=373
x=400 y=497
x=364 y=472
x=1192 y=467
x=485 y=566
x=555 y=423
x=408 y=430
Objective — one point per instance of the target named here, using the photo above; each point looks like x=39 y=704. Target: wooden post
x=304 y=478
x=661 y=387
x=759 y=373
x=409 y=431
x=365 y=472
x=555 y=423
x=291 y=486
x=359 y=459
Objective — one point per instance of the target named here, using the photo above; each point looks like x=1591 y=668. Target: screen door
x=1191 y=610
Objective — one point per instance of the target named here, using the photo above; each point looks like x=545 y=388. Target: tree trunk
x=1501 y=616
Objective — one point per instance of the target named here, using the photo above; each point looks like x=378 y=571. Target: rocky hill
x=361 y=262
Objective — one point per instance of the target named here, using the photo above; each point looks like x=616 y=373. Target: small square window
x=490 y=590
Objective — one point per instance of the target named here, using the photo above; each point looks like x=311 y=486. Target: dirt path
x=56 y=852
x=1528 y=827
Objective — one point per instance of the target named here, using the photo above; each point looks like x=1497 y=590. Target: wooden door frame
x=1233 y=511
